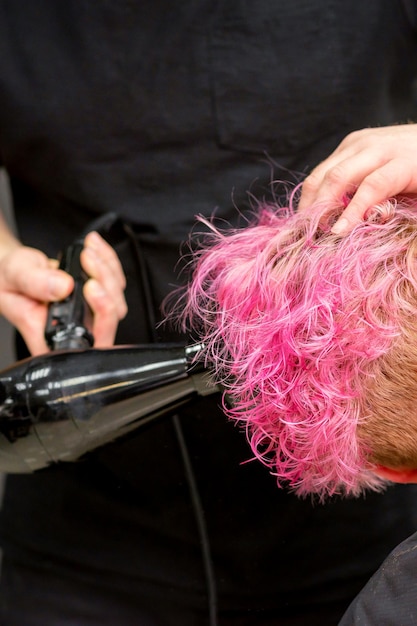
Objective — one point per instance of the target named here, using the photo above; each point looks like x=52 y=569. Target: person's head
x=314 y=337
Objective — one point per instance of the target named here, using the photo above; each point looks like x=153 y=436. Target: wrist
x=8 y=241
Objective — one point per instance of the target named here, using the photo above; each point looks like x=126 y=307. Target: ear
x=396 y=475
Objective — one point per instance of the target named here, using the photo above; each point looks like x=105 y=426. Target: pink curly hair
x=303 y=329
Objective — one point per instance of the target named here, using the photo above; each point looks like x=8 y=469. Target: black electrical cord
x=201 y=522
x=182 y=444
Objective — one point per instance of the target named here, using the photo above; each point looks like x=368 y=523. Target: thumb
x=29 y=272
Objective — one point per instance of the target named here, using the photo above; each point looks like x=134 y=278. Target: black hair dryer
x=60 y=405
x=63 y=404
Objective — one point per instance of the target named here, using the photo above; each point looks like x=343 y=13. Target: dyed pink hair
x=294 y=319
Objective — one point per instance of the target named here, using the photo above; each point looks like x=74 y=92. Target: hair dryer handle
x=69 y=321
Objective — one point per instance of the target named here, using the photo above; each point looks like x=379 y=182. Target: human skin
x=29 y=281
x=369 y=166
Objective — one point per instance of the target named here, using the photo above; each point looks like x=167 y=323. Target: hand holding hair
x=368 y=166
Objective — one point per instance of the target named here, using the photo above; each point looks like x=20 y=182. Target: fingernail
x=93 y=239
x=58 y=285
x=340 y=227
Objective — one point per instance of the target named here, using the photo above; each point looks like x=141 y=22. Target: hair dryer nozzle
x=58 y=406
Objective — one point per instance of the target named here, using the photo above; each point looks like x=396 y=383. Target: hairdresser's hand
x=369 y=166
x=29 y=281
x=104 y=291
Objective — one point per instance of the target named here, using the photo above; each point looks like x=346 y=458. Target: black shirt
x=390 y=597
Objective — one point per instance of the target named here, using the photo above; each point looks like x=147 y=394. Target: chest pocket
x=285 y=74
